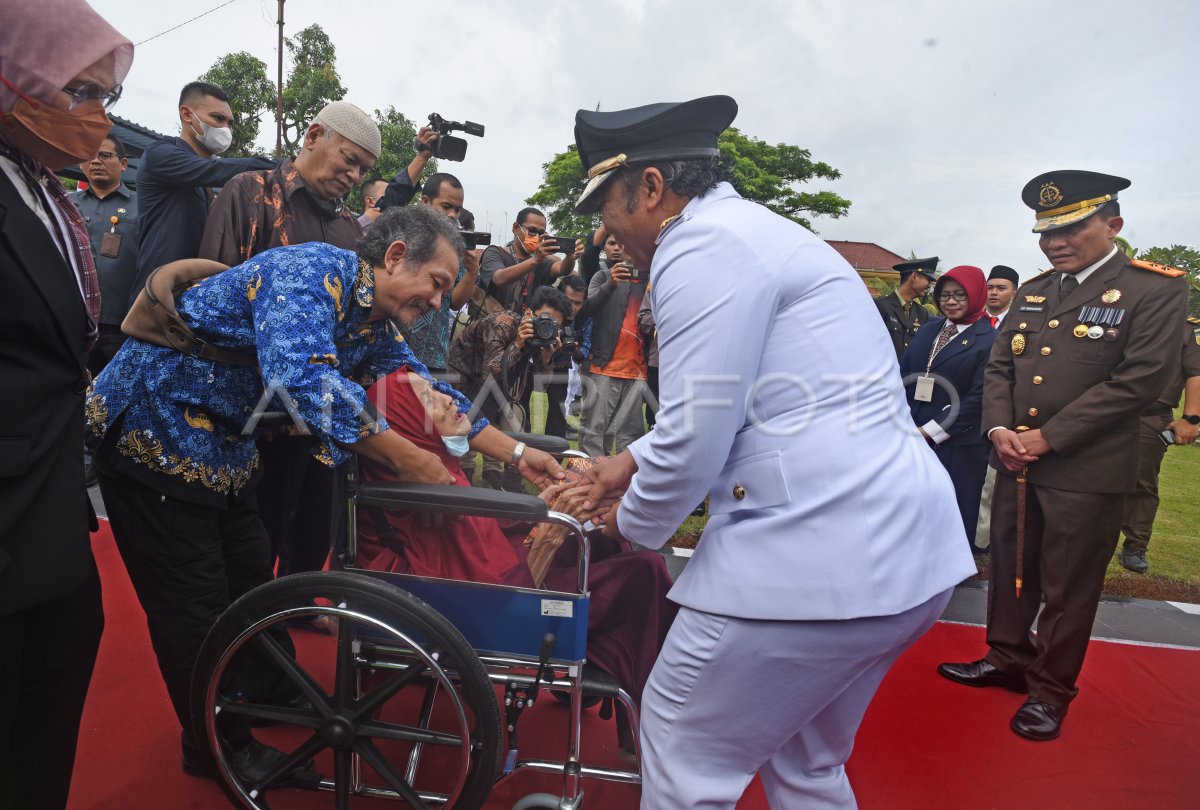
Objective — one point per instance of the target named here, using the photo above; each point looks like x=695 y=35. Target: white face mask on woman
x=457 y=446
x=215 y=139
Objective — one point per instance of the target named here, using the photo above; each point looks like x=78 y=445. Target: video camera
x=446 y=146
x=476 y=238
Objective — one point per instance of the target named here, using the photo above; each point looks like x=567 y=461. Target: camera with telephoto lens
x=475 y=238
x=446 y=146
x=569 y=342
x=545 y=330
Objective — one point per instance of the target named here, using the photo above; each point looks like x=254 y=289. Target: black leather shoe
x=1134 y=560
x=252 y=762
x=981 y=673
x=1038 y=721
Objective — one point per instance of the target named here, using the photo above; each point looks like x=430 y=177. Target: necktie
x=944 y=336
x=994 y=320
x=1068 y=285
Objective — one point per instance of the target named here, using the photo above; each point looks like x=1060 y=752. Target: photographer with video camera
x=512 y=273
x=430 y=142
x=496 y=357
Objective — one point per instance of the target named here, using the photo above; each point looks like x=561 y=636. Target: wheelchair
x=401 y=692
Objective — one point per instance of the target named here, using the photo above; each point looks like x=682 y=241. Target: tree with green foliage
x=312 y=83
x=1183 y=258
x=765 y=173
x=396 y=132
x=251 y=95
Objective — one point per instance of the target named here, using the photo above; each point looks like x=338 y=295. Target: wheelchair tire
x=253 y=630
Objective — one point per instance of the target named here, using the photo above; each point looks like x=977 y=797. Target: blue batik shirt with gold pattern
x=179 y=423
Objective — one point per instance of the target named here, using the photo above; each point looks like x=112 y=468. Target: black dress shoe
x=252 y=762
x=981 y=673
x=1038 y=721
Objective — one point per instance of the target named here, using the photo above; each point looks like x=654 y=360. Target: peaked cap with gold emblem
x=1067 y=196
x=669 y=131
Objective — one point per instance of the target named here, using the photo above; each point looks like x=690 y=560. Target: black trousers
x=188 y=563
x=967 y=465
x=296 y=496
x=556 y=415
x=46 y=658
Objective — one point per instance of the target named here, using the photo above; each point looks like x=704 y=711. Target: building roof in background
x=865 y=255
x=137 y=139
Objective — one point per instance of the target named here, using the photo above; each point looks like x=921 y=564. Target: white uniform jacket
x=781 y=397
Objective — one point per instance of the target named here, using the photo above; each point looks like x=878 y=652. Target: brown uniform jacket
x=1084 y=395
x=260 y=210
x=901 y=324
x=1188 y=367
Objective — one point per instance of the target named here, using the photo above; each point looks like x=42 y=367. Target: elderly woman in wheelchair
x=409 y=696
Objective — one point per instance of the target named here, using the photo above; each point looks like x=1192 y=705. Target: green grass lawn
x=1175 y=545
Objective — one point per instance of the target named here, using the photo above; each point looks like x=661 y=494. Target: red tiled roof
x=865 y=255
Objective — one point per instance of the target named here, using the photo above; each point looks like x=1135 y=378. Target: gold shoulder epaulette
x=1192 y=319
x=1037 y=277
x=1161 y=269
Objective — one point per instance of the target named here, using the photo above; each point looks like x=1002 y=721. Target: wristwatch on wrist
x=1191 y=418
x=518 y=451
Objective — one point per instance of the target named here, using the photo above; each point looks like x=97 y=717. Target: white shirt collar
x=1083 y=274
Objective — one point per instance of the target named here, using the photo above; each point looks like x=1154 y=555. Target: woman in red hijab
x=943 y=379
x=629 y=614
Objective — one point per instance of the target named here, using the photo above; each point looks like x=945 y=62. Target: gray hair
x=417 y=226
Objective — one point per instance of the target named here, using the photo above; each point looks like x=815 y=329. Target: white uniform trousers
x=731 y=697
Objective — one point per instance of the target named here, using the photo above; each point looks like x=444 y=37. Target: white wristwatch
x=518 y=451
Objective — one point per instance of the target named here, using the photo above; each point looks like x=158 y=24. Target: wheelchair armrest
x=411 y=497
x=554 y=445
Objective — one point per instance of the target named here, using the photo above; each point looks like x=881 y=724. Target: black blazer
x=45 y=551
x=959 y=366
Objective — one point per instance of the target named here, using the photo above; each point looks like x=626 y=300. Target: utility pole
x=279 y=90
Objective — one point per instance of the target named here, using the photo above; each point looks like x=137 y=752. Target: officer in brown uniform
x=901 y=309
x=1142 y=504
x=1085 y=349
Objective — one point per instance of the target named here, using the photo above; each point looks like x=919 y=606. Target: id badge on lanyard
x=924 y=390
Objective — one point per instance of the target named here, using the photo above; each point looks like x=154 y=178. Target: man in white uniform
x=834 y=540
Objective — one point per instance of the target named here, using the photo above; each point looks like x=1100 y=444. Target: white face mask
x=215 y=139
x=457 y=446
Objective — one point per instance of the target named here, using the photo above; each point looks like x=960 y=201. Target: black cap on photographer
x=669 y=131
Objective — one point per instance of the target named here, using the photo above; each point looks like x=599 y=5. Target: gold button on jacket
x=739 y=492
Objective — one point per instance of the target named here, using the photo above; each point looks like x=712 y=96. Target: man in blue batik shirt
x=177 y=458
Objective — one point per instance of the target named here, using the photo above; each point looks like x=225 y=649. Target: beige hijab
x=46 y=43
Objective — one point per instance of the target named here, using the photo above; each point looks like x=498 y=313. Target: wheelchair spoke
x=311 y=689
x=367 y=750
x=370 y=703
x=294 y=760
x=341 y=779
x=392 y=731
x=259 y=711
x=343 y=684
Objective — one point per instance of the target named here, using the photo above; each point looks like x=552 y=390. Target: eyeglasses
x=92 y=92
x=108 y=156
x=952 y=296
x=531 y=231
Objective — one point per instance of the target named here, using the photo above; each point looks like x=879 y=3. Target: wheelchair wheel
x=394 y=699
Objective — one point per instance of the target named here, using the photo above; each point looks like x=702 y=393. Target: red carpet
x=1132 y=739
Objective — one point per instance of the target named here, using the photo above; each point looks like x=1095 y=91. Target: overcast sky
x=935 y=111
